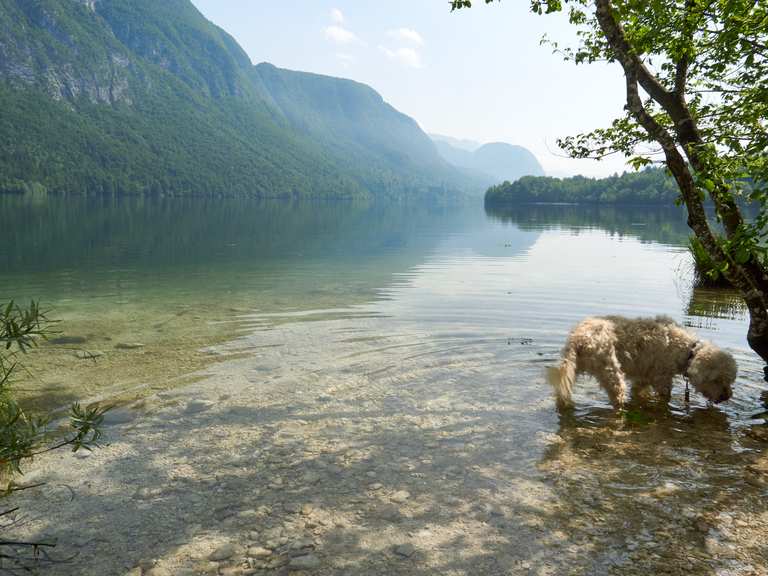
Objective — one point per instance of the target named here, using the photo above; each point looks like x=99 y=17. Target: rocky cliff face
x=49 y=45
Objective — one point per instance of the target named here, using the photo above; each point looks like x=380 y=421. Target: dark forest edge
x=649 y=186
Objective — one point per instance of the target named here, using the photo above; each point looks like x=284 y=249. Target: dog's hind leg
x=611 y=378
x=563 y=378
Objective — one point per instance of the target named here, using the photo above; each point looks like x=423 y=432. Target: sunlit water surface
x=444 y=314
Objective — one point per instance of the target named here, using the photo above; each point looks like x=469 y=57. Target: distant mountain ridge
x=148 y=97
x=496 y=162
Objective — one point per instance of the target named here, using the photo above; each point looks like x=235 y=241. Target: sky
x=478 y=74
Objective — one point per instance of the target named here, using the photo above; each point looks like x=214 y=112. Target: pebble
x=223 y=552
x=272 y=533
x=405 y=550
x=88 y=354
x=196 y=406
x=400 y=496
x=307 y=562
x=258 y=552
x=702 y=525
x=375 y=486
x=311 y=478
x=146 y=493
x=129 y=346
x=235 y=571
x=248 y=514
x=63 y=340
x=717 y=548
x=302 y=543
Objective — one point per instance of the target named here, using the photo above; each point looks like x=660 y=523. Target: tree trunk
x=750 y=278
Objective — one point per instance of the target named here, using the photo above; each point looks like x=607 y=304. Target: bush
x=705 y=273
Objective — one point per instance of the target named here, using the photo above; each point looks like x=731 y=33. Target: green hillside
x=146 y=97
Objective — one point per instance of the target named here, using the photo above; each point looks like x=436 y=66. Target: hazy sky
x=479 y=74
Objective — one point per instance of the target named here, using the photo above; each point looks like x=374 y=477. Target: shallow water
x=398 y=344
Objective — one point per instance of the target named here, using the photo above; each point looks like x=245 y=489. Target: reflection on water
x=176 y=275
x=648 y=224
x=711 y=303
x=403 y=344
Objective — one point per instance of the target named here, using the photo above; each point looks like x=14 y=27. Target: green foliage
x=23 y=435
x=706 y=272
x=650 y=186
x=696 y=76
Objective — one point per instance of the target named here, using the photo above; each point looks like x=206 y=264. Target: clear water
x=180 y=275
x=400 y=340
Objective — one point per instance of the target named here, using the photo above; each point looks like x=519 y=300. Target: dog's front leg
x=663 y=388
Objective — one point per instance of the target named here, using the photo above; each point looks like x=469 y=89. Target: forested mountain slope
x=148 y=97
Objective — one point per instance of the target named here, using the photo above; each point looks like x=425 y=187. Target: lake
x=370 y=377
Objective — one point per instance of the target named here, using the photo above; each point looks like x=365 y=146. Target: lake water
x=403 y=334
x=179 y=275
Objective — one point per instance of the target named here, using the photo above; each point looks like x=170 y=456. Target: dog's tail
x=563 y=378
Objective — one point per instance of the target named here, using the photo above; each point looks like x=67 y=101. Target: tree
x=23 y=435
x=697 y=96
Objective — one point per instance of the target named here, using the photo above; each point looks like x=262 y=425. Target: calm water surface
x=400 y=342
x=177 y=275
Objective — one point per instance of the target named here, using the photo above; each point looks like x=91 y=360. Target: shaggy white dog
x=649 y=352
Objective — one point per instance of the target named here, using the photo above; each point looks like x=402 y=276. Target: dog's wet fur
x=648 y=352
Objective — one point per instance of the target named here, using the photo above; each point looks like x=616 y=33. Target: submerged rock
x=64 y=340
x=307 y=562
x=129 y=345
x=405 y=550
x=223 y=552
x=400 y=496
x=196 y=406
x=258 y=552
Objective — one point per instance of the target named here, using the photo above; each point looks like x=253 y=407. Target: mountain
x=494 y=163
x=460 y=143
x=148 y=97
